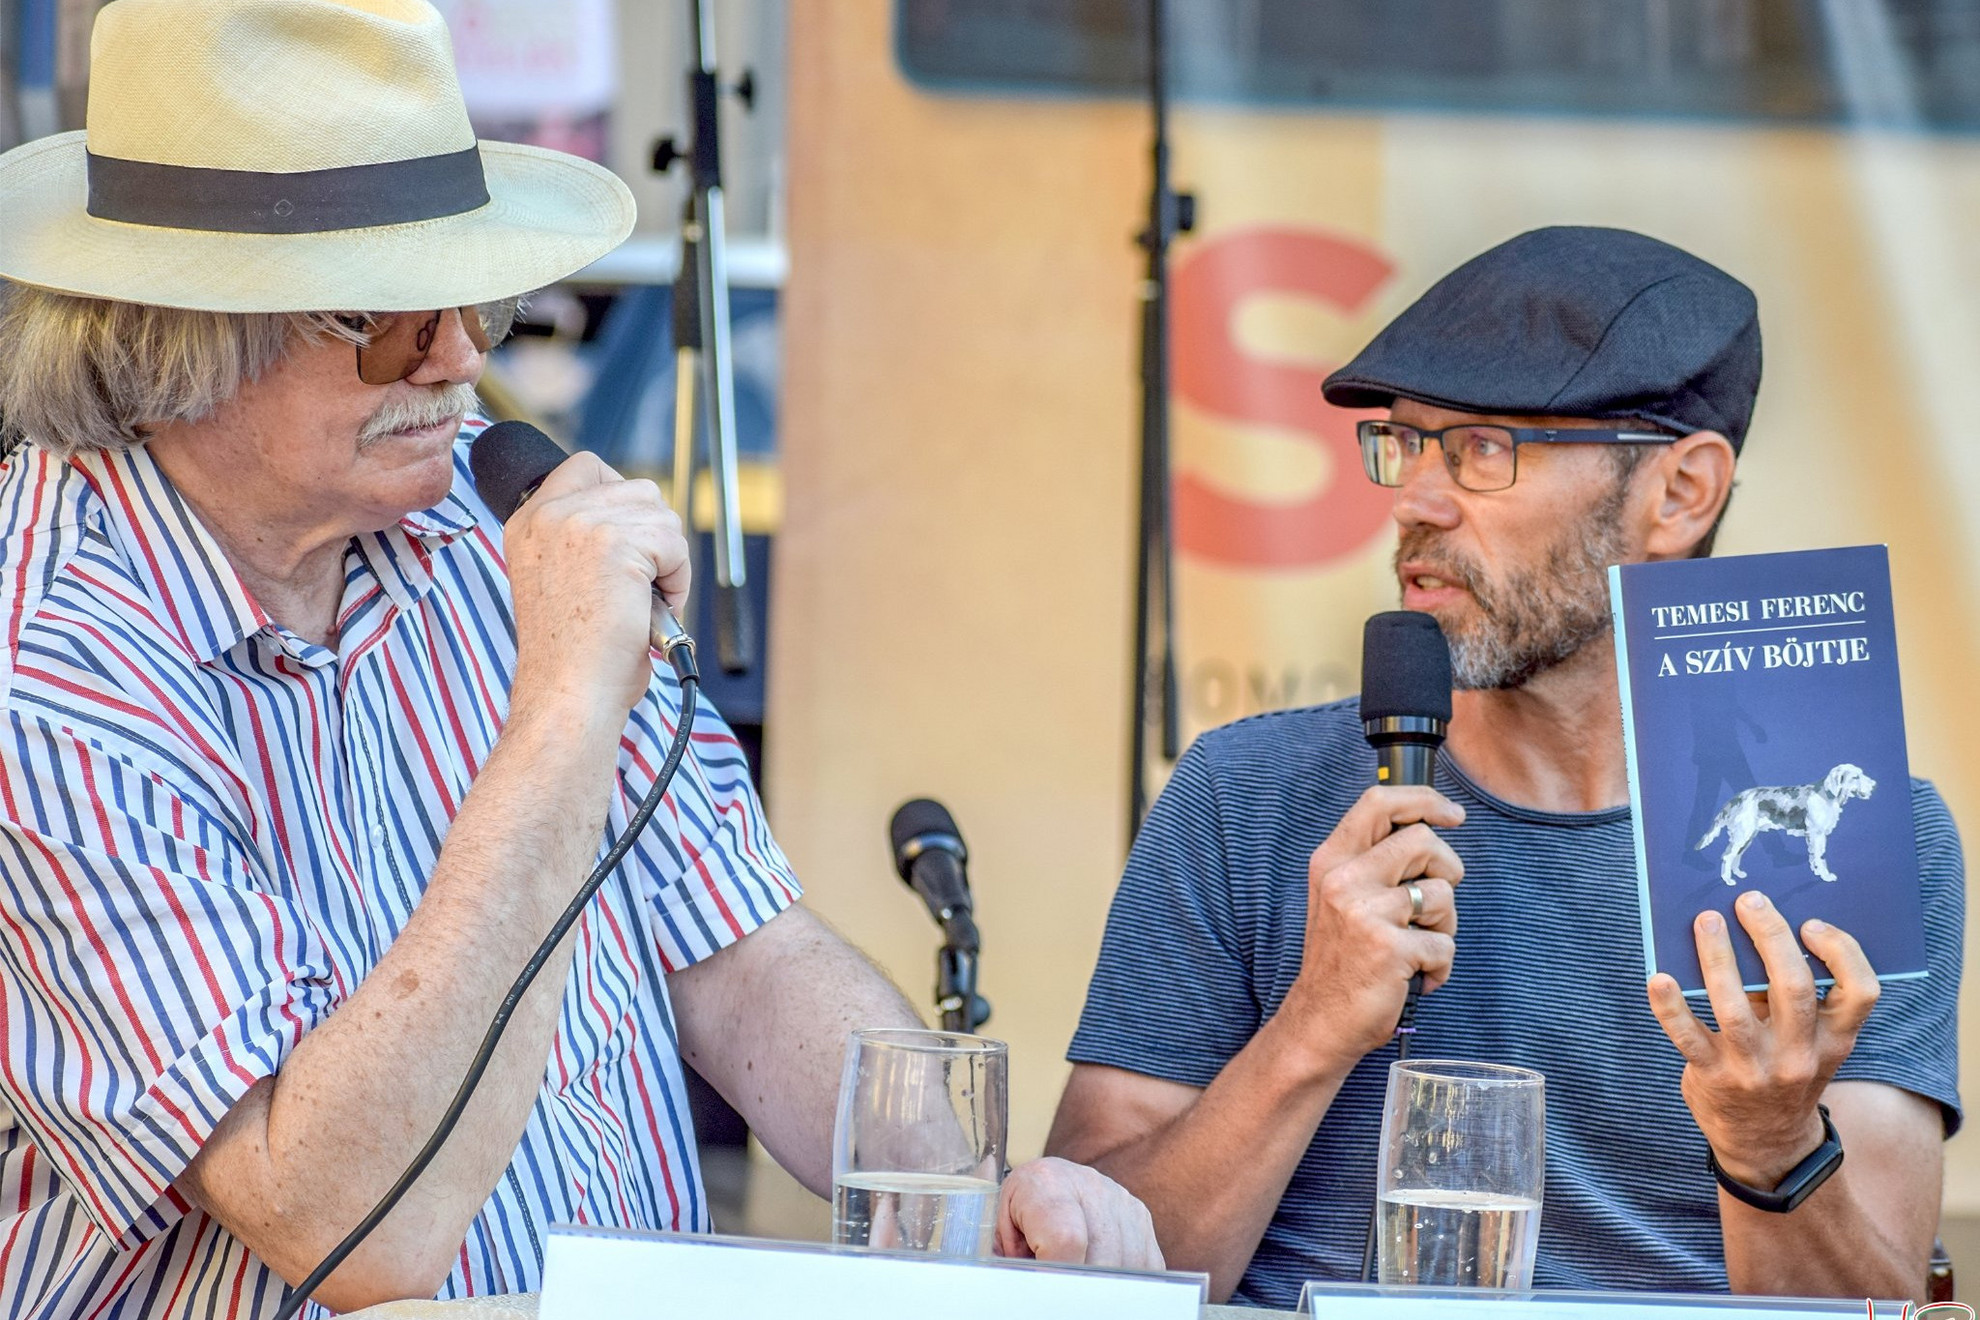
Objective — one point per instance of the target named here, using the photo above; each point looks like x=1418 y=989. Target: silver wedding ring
x=1415 y=892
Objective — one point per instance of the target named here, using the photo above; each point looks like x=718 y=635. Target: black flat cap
x=1573 y=322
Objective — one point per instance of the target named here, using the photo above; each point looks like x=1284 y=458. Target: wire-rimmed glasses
x=396 y=343
x=1479 y=458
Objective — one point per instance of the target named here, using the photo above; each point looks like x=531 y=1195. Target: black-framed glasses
x=396 y=343
x=1479 y=458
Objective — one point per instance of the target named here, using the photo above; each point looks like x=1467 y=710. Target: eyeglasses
x=396 y=343
x=1480 y=458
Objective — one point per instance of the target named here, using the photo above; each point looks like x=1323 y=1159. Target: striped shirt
x=214 y=829
x=1206 y=935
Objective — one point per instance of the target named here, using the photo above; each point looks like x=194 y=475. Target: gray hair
x=90 y=373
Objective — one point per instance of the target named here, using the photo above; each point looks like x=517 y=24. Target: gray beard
x=1535 y=618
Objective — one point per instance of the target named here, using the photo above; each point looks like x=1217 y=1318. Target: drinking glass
x=918 y=1147
x=1464 y=1152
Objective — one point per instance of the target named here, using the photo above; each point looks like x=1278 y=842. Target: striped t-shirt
x=214 y=828
x=1205 y=939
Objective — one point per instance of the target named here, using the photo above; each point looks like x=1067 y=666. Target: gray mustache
x=420 y=407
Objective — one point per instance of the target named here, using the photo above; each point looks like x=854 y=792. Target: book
x=1764 y=730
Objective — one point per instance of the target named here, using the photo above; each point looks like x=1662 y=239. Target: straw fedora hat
x=292 y=155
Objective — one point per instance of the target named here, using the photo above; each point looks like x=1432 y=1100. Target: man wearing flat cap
x=303 y=751
x=1570 y=399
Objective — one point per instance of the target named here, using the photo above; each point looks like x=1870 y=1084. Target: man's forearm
x=1832 y=1245
x=307 y=1153
x=1867 y=1231
x=766 y=1020
x=1212 y=1177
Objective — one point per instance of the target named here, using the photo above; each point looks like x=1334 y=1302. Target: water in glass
x=1464 y=1155
x=946 y=1214
x=1458 y=1239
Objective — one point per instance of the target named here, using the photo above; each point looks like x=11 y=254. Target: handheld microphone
x=1405 y=694
x=509 y=461
x=1405 y=712
x=929 y=854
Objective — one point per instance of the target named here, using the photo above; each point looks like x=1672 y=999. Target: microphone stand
x=1154 y=662
x=961 y=1007
x=704 y=380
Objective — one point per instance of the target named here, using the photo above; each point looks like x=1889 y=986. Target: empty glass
x=1464 y=1152
x=918 y=1147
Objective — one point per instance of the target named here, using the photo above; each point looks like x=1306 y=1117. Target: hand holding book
x=1753 y=1084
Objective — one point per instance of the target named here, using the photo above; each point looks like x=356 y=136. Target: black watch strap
x=1801 y=1180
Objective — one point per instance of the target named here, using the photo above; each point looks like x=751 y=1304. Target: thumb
x=580 y=471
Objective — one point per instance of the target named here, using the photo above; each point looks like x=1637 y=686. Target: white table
x=522 y=1306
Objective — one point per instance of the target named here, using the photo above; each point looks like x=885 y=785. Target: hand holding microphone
x=1365 y=937
x=1381 y=908
x=595 y=561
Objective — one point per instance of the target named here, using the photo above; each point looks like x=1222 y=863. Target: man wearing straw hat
x=303 y=750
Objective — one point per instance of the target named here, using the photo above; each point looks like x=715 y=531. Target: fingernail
x=1815 y=926
x=1711 y=922
x=1754 y=901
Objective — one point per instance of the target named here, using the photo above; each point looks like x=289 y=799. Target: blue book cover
x=1764 y=731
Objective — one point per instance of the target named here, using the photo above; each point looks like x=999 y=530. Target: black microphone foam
x=929 y=854
x=1405 y=667
x=509 y=460
x=914 y=824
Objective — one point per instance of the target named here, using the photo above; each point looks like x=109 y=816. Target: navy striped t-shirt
x=1205 y=939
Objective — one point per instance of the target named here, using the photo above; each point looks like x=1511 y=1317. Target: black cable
x=648 y=805
x=1404 y=1030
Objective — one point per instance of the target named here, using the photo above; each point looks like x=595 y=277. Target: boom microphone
x=509 y=461
x=929 y=854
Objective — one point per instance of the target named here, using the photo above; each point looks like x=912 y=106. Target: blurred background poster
x=959 y=425
x=545 y=74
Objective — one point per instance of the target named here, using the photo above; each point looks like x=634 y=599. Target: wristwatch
x=1801 y=1180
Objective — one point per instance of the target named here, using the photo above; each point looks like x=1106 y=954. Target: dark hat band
x=392 y=192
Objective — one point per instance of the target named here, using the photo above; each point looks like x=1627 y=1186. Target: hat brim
x=1345 y=391
x=548 y=216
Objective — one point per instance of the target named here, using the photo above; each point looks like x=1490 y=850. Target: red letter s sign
x=1213 y=374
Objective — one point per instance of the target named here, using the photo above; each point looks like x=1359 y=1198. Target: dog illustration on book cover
x=1806 y=811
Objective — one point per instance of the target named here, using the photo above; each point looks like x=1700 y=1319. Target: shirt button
x=378 y=836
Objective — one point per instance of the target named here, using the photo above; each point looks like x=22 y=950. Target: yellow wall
x=959 y=429
x=951 y=615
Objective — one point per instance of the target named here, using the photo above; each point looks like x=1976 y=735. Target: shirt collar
x=443 y=522
x=401 y=557
x=205 y=601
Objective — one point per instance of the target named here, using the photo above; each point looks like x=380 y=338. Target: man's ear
x=1693 y=480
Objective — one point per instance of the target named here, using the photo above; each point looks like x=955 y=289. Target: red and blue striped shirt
x=214 y=828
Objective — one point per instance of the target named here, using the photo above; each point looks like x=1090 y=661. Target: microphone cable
x=1405 y=1029
x=683 y=661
